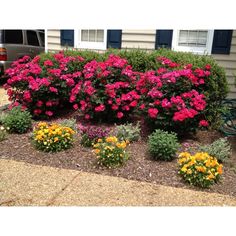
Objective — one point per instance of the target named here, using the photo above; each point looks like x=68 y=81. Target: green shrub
x=71 y=123
x=220 y=149
x=128 y=132
x=17 y=121
x=163 y=145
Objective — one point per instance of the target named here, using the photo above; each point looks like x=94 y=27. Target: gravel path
x=24 y=184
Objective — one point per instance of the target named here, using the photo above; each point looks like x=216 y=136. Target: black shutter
x=114 y=38
x=67 y=38
x=222 y=41
x=163 y=39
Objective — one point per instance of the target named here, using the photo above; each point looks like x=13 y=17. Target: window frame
x=89 y=45
x=196 y=50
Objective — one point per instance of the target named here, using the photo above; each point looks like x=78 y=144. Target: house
x=221 y=44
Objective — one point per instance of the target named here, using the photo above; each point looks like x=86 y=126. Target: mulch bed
x=138 y=167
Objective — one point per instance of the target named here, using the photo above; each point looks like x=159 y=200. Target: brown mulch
x=138 y=167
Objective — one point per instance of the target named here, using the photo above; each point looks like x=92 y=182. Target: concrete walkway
x=3 y=97
x=23 y=184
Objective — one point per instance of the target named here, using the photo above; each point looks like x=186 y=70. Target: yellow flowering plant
x=110 y=151
x=52 y=137
x=199 y=169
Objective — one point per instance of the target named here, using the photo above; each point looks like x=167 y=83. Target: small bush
x=52 y=137
x=71 y=123
x=128 y=132
x=200 y=169
x=111 y=152
x=163 y=145
x=90 y=134
x=3 y=133
x=17 y=121
x=220 y=149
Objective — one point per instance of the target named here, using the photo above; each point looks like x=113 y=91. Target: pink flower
x=208 y=67
x=114 y=107
x=165 y=103
x=87 y=117
x=100 y=108
x=153 y=112
x=53 y=90
x=142 y=106
x=49 y=103
x=120 y=115
x=49 y=113
x=48 y=63
x=75 y=106
x=27 y=96
x=37 y=112
x=203 y=123
x=39 y=103
x=133 y=104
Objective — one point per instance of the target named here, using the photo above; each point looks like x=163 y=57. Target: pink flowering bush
x=173 y=91
x=43 y=86
x=172 y=97
x=107 y=90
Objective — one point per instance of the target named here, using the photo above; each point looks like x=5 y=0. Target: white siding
x=143 y=39
x=229 y=63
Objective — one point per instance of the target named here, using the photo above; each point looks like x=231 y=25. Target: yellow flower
x=200 y=168
x=96 y=151
x=220 y=169
x=111 y=139
x=99 y=140
x=182 y=160
x=210 y=176
x=56 y=139
x=189 y=172
x=184 y=169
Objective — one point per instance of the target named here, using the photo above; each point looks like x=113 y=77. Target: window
x=92 y=39
x=32 y=38
x=196 y=41
x=13 y=36
x=42 y=37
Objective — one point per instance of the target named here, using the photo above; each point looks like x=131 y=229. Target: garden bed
x=138 y=167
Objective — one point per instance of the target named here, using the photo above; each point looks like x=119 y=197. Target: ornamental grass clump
x=90 y=134
x=128 y=132
x=111 y=152
x=52 y=137
x=220 y=149
x=200 y=169
x=163 y=145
